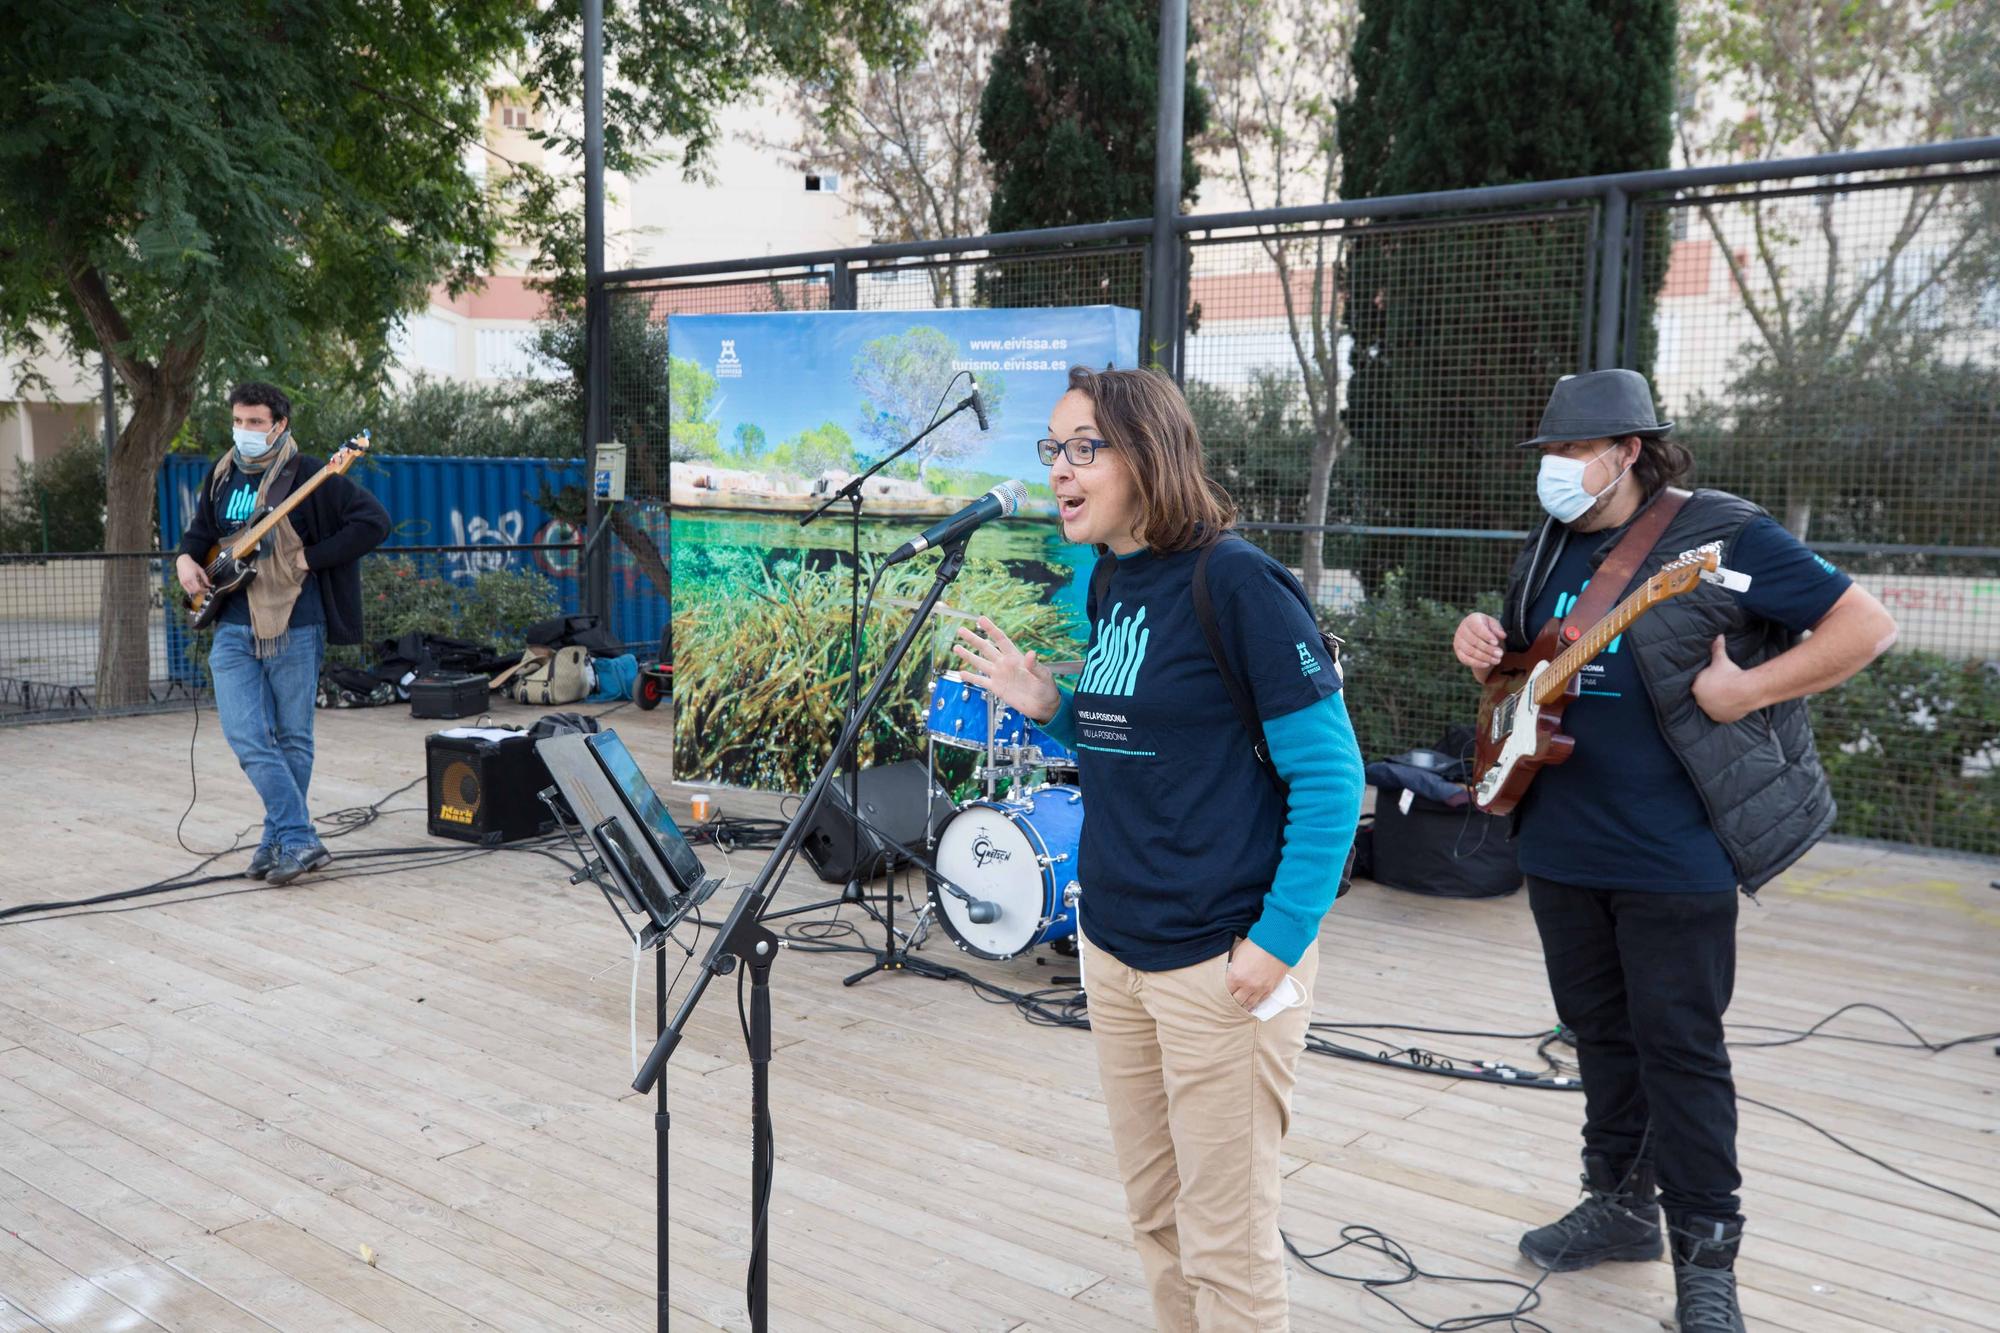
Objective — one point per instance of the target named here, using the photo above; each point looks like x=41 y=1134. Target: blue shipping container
x=465 y=502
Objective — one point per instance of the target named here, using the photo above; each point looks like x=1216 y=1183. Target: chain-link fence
x=1832 y=351
x=50 y=609
x=1830 y=345
x=1827 y=344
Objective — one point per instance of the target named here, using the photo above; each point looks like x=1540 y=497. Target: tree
x=824 y=448
x=1460 y=326
x=257 y=189
x=1278 y=70
x=907 y=148
x=750 y=441
x=1877 y=283
x=657 y=402
x=1067 y=122
x=898 y=377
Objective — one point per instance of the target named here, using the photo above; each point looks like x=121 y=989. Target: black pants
x=1642 y=978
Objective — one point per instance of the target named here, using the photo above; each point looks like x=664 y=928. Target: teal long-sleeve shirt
x=1316 y=754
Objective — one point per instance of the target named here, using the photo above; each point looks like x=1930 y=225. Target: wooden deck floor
x=399 y=1100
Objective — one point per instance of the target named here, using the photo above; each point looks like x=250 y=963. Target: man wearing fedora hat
x=1694 y=774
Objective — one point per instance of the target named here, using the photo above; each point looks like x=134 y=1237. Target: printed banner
x=772 y=413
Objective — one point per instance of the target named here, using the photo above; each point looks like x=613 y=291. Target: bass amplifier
x=484 y=788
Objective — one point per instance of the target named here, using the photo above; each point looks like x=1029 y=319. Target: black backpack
x=1204 y=609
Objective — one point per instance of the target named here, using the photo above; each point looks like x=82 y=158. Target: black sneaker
x=261 y=862
x=1619 y=1218
x=1705 y=1275
x=290 y=865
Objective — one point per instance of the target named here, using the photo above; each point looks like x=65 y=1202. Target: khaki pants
x=1200 y=1097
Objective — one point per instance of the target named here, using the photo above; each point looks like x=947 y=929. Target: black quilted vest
x=1760 y=777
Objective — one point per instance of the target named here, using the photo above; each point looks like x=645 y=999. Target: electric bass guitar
x=232 y=562
x=1520 y=714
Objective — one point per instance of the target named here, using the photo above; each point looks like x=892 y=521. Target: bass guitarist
x=270 y=637
x=1693 y=775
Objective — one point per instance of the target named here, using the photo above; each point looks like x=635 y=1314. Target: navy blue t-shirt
x=1184 y=827
x=236 y=502
x=1621 y=812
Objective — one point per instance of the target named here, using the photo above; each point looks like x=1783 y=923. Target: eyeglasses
x=1081 y=451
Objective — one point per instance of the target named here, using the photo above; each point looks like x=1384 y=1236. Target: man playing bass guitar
x=1693 y=774
x=270 y=637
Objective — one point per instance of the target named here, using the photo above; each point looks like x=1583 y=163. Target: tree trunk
x=645 y=552
x=1327 y=442
x=124 y=651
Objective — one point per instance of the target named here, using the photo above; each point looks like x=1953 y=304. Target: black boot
x=1619 y=1218
x=1705 y=1275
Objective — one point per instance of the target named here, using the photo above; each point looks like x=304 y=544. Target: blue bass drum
x=1020 y=855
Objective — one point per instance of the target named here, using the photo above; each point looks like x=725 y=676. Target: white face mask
x=1561 y=489
x=251 y=443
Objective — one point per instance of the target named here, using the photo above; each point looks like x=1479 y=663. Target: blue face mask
x=1560 y=486
x=251 y=443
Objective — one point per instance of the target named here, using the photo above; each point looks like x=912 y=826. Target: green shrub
x=58 y=503
x=398 y=596
x=1404 y=688
x=1912 y=747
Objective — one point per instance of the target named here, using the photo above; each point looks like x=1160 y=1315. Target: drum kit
x=1005 y=875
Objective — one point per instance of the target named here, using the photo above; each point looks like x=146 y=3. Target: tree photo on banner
x=771 y=414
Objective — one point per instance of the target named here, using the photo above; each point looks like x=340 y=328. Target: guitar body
x=228 y=574
x=1516 y=738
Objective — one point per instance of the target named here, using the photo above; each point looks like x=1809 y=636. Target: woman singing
x=1204 y=880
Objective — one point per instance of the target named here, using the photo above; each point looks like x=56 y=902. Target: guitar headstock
x=1680 y=574
x=349 y=453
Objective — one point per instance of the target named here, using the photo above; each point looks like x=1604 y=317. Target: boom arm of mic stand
x=853 y=486
x=741 y=935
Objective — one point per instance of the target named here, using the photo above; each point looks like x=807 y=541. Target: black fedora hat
x=1602 y=404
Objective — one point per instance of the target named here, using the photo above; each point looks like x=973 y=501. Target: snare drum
x=1019 y=855
x=961 y=713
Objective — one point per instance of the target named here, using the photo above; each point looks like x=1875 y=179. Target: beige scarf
x=281 y=572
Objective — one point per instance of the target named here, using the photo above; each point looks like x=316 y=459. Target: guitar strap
x=1608 y=584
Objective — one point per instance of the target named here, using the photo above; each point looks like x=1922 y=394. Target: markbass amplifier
x=482 y=786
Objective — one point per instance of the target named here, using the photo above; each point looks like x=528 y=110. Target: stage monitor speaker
x=485 y=790
x=899 y=799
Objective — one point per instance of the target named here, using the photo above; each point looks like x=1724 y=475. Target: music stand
x=617 y=809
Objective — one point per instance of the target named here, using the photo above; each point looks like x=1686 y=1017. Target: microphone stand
x=743 y=939
x=889 y=958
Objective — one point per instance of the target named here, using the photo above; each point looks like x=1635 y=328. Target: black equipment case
x=449 y=695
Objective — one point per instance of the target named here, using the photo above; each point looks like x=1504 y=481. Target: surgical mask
x=1560 y=486
x=251 y=443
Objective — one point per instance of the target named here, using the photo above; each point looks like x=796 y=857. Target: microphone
x=979 y=410
x=980 y=912
x=1000 y=502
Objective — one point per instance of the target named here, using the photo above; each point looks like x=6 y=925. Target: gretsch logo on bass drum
x=984 y=852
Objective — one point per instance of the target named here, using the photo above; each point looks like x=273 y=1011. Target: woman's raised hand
x=1015 y=678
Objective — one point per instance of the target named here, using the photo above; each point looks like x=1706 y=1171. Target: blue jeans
x=266 y=706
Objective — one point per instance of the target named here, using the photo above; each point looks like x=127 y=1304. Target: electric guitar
x=1520 y=714
x=232 y=562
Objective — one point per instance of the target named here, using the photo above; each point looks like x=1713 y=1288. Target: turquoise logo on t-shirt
x=1112 y=667
x=241 y=501
x=1308 y=664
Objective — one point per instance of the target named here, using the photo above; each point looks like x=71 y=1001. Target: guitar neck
x=1552 y=683
x=246 y=543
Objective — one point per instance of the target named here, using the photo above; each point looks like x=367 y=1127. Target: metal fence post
x=843 y=294
x=1163 y=279
x=1610 y=278
x=596 y=314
